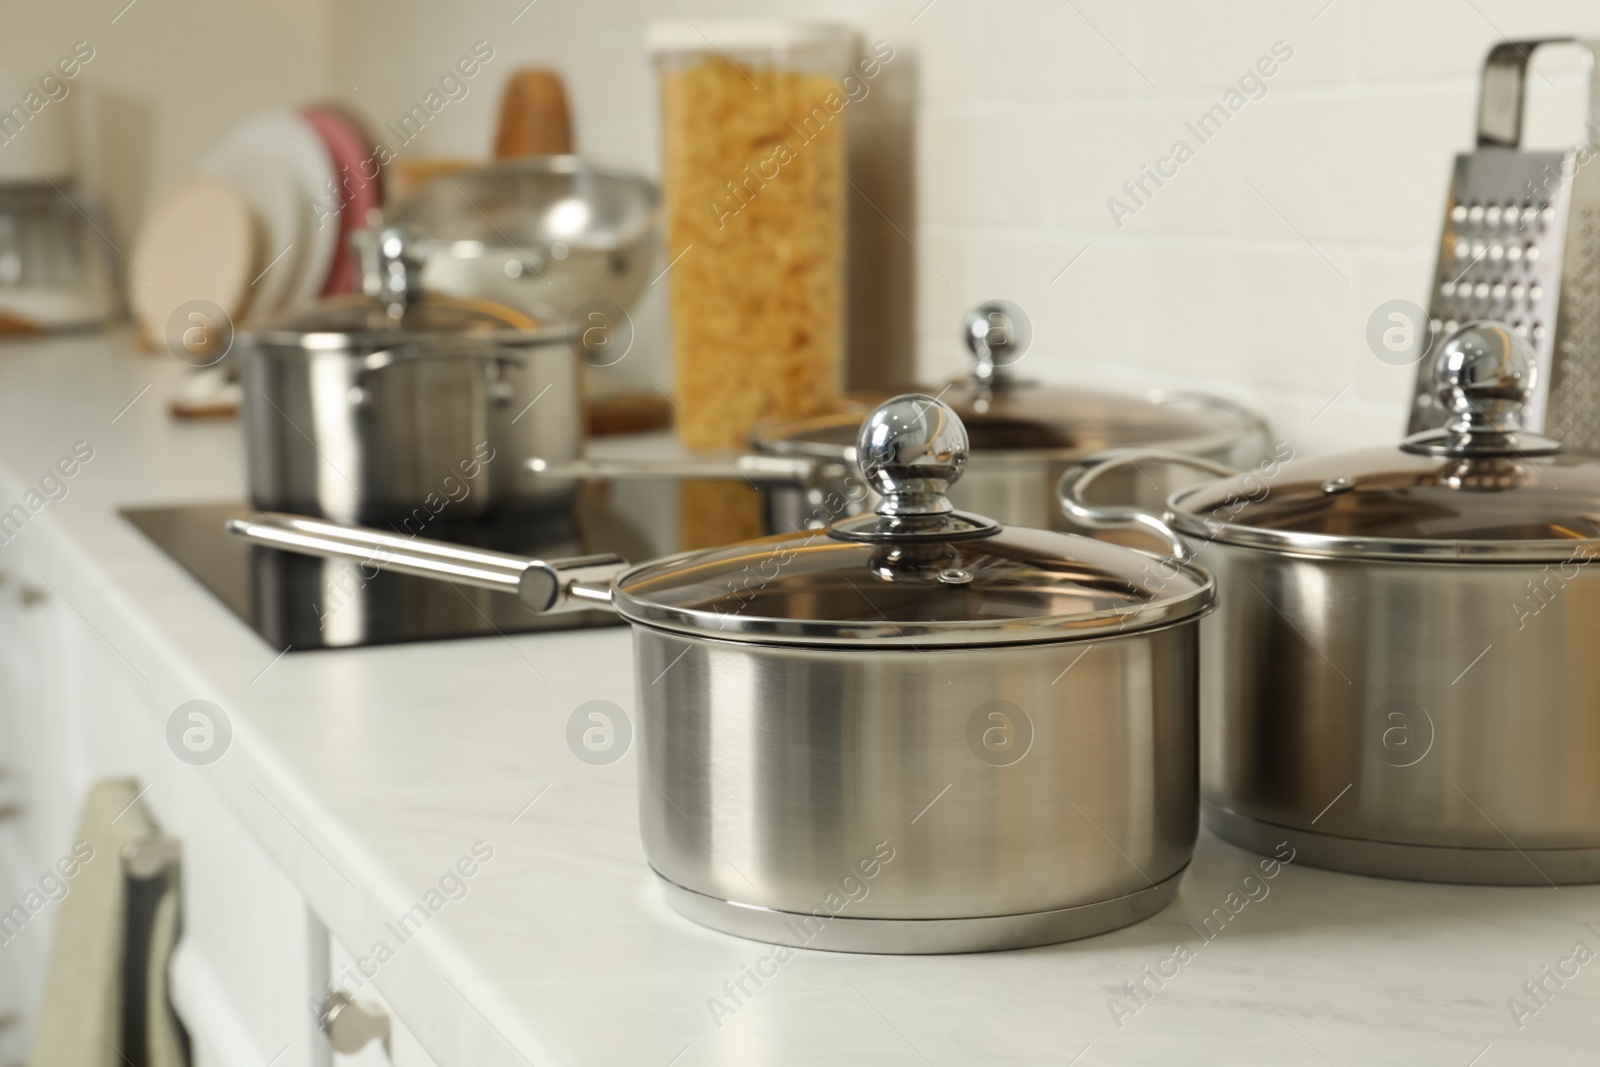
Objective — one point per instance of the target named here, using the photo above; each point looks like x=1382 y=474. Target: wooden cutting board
x=199 y=243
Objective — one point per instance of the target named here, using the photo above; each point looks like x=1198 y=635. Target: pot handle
x=492 y=359
x=1078 y=478
x=388 y=357
x=756 y=469
x=1255 y=436
x=542 y=585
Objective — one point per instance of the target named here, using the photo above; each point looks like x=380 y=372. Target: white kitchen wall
x=985 y=157
x=167 y=81
x=1251 y=272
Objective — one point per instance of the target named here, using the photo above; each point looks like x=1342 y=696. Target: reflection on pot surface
x=1400 y=678
x=369 y=408
x=805 y=697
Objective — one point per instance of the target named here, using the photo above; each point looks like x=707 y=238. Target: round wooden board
x=200 y=243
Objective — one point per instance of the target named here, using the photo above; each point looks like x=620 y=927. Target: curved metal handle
x=1505 y=78
x=757 y=469
x=1077 y=479
x=1255 y=428
x=542 y=585
x=492 y=359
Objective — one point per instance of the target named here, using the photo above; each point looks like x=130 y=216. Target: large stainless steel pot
x=1401 y=678
x=1024 y=434
x=913 y=732
x=400 y=405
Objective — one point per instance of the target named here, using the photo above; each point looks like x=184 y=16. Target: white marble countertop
x=366 y=774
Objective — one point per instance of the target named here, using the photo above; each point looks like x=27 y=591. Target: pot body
x=883 y=800
x=1436 y=721
x=407 y=434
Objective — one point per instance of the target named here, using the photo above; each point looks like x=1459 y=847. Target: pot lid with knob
x=1478 y=488
x=916 y=572
x=1010 y=416
x=393 y=308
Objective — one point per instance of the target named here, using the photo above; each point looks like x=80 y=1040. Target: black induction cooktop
x=297 y=603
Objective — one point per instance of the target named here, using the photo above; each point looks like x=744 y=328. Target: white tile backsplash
x=1018 y=45
x=1363 y=169
x=1202 y=47
x=1251 y=272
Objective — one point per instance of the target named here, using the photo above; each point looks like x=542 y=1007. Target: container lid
x=1477 y=488
x=1010 y=418
x=915 y=573
x=394 y=308
x=680 y=35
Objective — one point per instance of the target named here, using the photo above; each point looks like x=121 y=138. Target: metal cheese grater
x=1521 y=244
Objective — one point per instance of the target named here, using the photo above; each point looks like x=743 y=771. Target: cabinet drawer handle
x=351 y=1026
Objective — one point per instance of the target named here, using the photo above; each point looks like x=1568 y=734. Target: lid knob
x=911 y=450
x=391 y=265
x=998 y=333
x=1483 y=375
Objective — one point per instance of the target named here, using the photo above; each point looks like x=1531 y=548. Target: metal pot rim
x=1234 y=424
x=846 y=645
x=916 y=637
x=1338 y=546
x=332 y=343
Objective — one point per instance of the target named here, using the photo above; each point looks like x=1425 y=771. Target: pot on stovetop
x=915 y=731
x=1401 y=677
x=1023 y=433
x=399 y=405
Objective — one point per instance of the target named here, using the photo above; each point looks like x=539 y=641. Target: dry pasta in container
x=753 y=176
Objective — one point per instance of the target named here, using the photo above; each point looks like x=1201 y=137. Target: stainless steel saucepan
x=400 y=405
x=1024 y=434
x=914 y=731
x=1402 y=677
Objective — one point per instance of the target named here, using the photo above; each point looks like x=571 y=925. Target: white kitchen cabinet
x=73 y=710
x=42 y=771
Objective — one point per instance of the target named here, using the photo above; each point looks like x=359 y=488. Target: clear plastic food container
x=753 y=144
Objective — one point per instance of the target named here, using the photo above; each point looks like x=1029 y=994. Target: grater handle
x=1505 y=76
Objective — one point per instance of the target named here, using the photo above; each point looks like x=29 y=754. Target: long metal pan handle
x=756 y=469
x=542 y=585
x=1078 y=478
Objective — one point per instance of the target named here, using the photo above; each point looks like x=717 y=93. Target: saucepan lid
x=916 y=572
x=394 y=308
x=1477 y=488
x=1009 y=415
